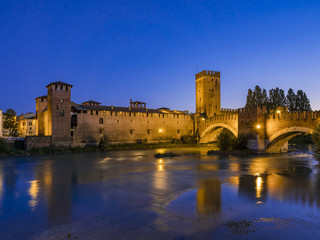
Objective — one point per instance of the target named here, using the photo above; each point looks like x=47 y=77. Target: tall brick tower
x=59 y=112
x=208 y=100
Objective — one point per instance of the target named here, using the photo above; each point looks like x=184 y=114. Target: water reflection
x=253 y=187
x=209 y=196
x=33 y=192
x=58 y=189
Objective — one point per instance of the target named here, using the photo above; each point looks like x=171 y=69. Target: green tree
x=250 y=100
x=291 y=100
x=265 y=98
x=316 y=136
x=10 y=123
x=225 y=140
x=302 y=101
x=277 y=98
x=258 y=97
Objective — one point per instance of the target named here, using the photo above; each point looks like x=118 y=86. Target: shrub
x=104 y=142
x=188 y=139
x=4 y=146
x=225 y=140
x=241 y=142
x=316 y=136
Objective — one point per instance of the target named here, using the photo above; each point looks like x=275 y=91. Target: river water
x=133 y=195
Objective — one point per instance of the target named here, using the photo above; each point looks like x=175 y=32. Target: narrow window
x=131 y=132
x=100 y=120
x=100 y=130
x=178 y=131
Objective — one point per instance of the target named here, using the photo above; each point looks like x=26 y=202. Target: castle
x=72 y=124
x=69 y=123
x=62 y=122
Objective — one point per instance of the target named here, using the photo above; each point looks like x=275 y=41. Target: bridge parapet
x=303 y=115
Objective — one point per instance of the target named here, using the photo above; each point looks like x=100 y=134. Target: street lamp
x=258 y=126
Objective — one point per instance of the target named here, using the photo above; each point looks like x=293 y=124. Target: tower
x=208 y=100
x=59 y=112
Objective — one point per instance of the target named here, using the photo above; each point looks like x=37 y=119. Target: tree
x=225 y=140
x=250 y=100
x=265 y=98
x=277 y=98
x=302 y=101
x=258 y=97
x=10 y=123
x=291 y=100
x=316 y=136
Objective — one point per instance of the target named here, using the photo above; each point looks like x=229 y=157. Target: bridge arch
x=212 y=131
x=280 y=138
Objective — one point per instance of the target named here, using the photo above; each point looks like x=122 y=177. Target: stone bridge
x=266 y=131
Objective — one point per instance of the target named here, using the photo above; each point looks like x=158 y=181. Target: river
x=133 y=195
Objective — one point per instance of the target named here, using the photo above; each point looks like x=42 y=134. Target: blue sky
x=115 y=50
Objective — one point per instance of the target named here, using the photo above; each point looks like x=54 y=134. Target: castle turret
x=208 y=101
x=41 y=123
x=59 y=112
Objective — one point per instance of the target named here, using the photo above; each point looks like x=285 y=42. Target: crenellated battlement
x=207 y=73
x=228 y=110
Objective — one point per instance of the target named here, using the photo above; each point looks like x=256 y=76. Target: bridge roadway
x=266 y=131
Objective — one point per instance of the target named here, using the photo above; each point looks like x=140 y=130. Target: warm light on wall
x=278 y=111
x=160 y=130
x=202 y=119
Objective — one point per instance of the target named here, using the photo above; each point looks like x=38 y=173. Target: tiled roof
x=122 y=109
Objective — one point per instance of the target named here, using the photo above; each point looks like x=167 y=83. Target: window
x=190 y=131
x=178 y=131
x=67 y=88
x=101 y=131
x=117 y=121
x=131 y=132
x=148 y=131
x=100 y=120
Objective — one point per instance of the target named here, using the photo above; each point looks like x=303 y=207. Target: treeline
x=277 y=98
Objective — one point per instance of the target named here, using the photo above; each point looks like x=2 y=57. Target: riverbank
x=111 y=147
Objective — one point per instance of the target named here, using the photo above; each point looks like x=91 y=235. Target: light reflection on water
x=49 y=191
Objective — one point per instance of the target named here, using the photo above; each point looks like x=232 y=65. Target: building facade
x=69 y=123
x=27 y=125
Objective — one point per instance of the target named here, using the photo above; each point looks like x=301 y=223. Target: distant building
x=69 y=123
x=27 y=124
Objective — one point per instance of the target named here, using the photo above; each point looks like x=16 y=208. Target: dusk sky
x=111 y=51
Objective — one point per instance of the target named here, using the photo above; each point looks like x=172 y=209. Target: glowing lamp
x=258 y=126
x=160 y=130
x=278 y=111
